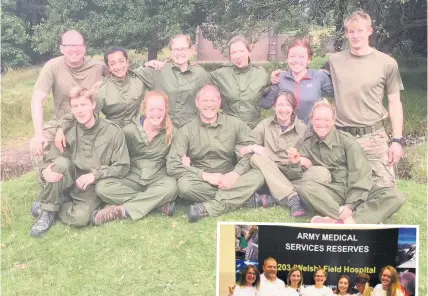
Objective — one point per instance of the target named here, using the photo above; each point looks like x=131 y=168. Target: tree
x=139 y=25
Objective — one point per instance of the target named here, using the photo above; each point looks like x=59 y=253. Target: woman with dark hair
x=276 y=155
x=308 y=85
x=248 y=283
x=390 y=284
x=295 y=282
x=344 y=285
x=320 y=276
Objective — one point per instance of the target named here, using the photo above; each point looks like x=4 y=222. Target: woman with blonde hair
x=320 y=277
x=295 y=282
x=390 y=284
x=147 y=186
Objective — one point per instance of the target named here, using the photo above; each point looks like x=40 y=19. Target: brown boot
x=109 y=213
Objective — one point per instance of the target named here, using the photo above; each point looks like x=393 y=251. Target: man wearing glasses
x=60 y=75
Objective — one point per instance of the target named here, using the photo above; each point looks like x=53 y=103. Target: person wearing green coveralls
x=275 y=153
x=241 y=84
x=180 y=80
x=118 y=98
x=204 y=162
x=96 y=149
x=352 y=196
x=147 y=186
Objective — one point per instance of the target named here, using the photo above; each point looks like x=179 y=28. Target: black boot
x=45 y=220
x=260 y=200
x=296 y=206
x=197 y=212
x=36 y=209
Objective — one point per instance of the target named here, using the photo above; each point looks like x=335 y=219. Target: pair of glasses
x=182 y=49
x=252 y=273
x=73 y=45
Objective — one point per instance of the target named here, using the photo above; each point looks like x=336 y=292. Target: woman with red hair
x=390 y=284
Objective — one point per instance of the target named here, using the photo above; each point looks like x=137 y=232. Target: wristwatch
x=400 y=141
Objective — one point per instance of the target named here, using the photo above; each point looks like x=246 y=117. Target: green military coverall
x=181 y=88
x=279 y=173
x=101 y=150
x=211 y=148
x=241 y=91
x=147 y=186
x=352 y=183
x=119 y=100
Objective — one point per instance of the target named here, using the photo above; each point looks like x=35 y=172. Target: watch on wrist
x=400 y=141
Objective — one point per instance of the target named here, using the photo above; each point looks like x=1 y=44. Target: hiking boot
x=109 y=213
x=325 y=220
x=261 y=200
x=296 y=206
x=197 y=212
x=36 y=209
x=167 y=209
x=44 y=221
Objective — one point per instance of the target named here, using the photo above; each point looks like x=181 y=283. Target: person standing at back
x=361 y=77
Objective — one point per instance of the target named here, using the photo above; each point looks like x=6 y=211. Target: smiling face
x=250 y=276
x=181 y=50
x=208 y=103
x=239 y=54
x=155 y=110
x=360 y=286
x=283 y=110
x=358 y=32
x=322 y=121
x=343 y=285
x=73 y=48
x=295 y=278
x=83 y=110
x=319 y=277
x=118 y=64
x=386 y=278
x=270 y=269
x=298 y=59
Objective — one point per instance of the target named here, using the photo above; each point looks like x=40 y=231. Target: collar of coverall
x=219 y=120
x=238 y=70
x=329 y=140
x=295 y=124
x=97 y=121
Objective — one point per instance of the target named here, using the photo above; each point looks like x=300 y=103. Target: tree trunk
x=153 y=53
x=339 y=25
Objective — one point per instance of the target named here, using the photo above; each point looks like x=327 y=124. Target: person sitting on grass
x=248 y=283
x=204 y=162
x=275 y=154
x=95 y=149
x=352 y=197
x=147 y=186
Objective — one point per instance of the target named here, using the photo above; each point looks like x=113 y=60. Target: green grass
x=157 y=255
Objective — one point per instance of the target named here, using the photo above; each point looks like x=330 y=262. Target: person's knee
x=323 y=174
x=78 y=217
x=184 y=187
x=103 y=186
x=170 y=187
x=401 y=198
x=62 y=165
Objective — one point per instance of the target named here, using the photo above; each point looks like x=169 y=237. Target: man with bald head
x=203 y=159
x=59 y=75
x=270 y=284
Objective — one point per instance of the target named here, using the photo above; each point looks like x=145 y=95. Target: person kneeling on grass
x=147 y=186
x=352 y=197
x=275 y=153
x=203 y=160
x=95 y=149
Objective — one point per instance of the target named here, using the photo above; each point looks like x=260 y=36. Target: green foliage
x=139 y=25
x=13 y=41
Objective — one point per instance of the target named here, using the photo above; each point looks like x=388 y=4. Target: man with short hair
x=270 y=284
x=361 y=77
x=60 y=75
x=203 y=159
x=95 y=149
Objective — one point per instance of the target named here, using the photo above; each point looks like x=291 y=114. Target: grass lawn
x=157 y=255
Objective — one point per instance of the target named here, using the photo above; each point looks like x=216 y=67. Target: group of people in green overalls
x=171 y=129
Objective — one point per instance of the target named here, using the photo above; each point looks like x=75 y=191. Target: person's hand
x=395 y=152
x=260 y=150
x=157 y=65
x=305 y=162
x=51 y=176
x=228 y=180
x=231 y=290
x=185 y=160
x=38 y=145
x=212 y=178
x=60 y=141
x=94 y=89
x=344 y=212
x=84 y=180
x=274 y=77
x=293 y=155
